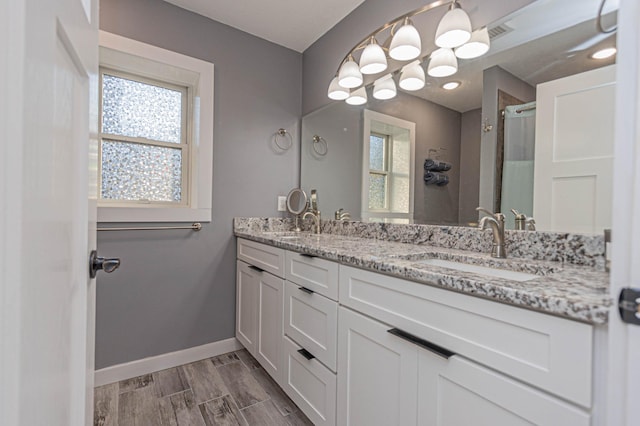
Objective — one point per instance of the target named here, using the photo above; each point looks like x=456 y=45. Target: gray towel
x=434 y=178
x=436 y=165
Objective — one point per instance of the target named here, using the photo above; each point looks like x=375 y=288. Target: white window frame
x=386 y=215
x=140 y=59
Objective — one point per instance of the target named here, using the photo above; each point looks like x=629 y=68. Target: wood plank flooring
x=229 y=389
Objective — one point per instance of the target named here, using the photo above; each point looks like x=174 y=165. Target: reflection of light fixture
x=405 y=44
x=604 y=53
x=384 y=87
x=357 y=97
x=454 y=28
x=443 y=63
x=478 y=45
x=373 y=59
x=336 y=92
x=349 y=75
x=412 y=76
x=451 y=85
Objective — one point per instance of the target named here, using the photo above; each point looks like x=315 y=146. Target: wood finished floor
x=230 y=389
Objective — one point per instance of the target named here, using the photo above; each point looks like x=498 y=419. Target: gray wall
x=176 y=289
x=494 y=79
x=470 y=137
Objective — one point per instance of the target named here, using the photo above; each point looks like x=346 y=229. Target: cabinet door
x=270 y=321
x=460 y=392
x=247 y=306
x=377 y=379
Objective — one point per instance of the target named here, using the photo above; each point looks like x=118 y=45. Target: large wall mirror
x=488 y=129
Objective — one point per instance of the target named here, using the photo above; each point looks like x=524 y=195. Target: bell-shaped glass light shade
x=357 y=97
x=349 y=75
x=478 y=45
x=443 y=63
x=454 y=28
x=336 y=92
x=373 y=59
x=384 y=88
x=405 y=44
x=412 y=77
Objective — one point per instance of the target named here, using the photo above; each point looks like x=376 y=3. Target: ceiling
x=295 y=24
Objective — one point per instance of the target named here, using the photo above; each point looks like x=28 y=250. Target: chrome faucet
x=313 y=211
x=342 y=215
x=523 y=222
x=496 y=221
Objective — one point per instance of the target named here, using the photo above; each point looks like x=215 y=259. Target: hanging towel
x=434 y=178
x=436 y=165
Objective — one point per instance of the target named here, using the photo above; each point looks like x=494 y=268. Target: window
x=389 y=157
x=156 y=134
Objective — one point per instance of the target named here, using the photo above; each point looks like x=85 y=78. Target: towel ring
x=280 y=135
x=319 y=141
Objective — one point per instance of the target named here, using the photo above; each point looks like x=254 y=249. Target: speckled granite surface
x=567 y=288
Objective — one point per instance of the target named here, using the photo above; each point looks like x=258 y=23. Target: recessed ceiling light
x=604 y=53
x=451 y=85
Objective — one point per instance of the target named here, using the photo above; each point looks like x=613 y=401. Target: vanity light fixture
x=384 y=88
x=478 y=45
x=373 y=59
x=337 y=92
x=443 y=63
x=349 y=75
x=412 y=76
x=604 y=53
x=403 y=43
x=454 y=28
x=451 y=85
x=358 y=97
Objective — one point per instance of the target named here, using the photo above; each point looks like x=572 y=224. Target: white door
x=247 y=279
x=48 y=72
x=377 y=380
x=574 y=152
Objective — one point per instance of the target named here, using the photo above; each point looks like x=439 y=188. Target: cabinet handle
x=306 y=290
x=305 y=353
x=311 y=256
x=438 y=350
x=255 y=268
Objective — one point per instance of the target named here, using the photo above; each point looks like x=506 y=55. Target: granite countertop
x=562 y=289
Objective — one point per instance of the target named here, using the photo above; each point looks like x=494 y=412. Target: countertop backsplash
x=575 y=249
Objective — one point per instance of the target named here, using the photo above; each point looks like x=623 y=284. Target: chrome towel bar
x=196 y=226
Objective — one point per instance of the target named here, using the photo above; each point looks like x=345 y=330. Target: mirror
x=296 y=205
x=541 y=42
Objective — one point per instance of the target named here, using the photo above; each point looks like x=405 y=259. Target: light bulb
x=478 y=45
x=373 y=60
x=443 y=63
x=454 y=28
x=384 y=88
x=349 y=75
x=336 y=92
x=412 y=77
x=357 y=97
x=405 y=44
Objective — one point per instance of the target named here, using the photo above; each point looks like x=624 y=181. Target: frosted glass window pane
x=401 y=156
x=133 y=171
x=400 y=194
x=135 y=109
x=376 y=152
x=377 y=191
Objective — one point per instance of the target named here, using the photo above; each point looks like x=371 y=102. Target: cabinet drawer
x=551 y=353
x=310 y=385
x=311 y=320
x=265 y=257
x=314 y=273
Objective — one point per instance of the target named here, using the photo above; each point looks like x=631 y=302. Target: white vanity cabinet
x=355 y=347
x=259 y=303
x=480 y=365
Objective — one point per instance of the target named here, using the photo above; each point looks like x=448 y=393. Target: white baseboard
x=139 y=367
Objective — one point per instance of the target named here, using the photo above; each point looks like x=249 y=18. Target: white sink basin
x=481 y=270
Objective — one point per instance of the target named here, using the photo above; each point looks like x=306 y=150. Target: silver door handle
x=97 y=263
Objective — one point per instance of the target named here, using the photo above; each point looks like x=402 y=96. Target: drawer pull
x=255 y=268
x=438 y=350
x=305 y=353
x=306 y=290
x=311 y=256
